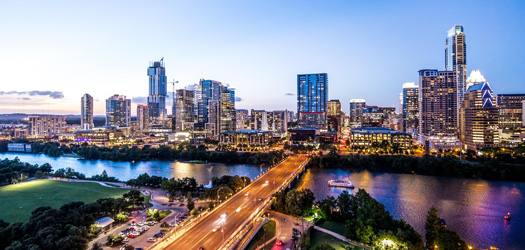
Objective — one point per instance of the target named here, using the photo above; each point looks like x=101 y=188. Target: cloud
x=289 y=94
x=48 y=93
x=24 y=98
x=238 y=99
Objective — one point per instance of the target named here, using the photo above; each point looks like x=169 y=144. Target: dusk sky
x=52 y=52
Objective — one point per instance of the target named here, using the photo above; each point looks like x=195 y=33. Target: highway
x=212 y=231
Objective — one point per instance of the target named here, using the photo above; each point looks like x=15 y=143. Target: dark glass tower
x=312 y=98
x=157 y=89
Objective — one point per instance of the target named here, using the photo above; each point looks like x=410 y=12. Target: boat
x=341 y=183
x=507 y=216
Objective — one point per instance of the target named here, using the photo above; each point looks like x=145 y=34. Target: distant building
x=118 y=111
x=242 y=119
x=279 y=121
x=365 y=137
x=479 y=117
x=259 y=120
x=438 y=116
x=410 y=108
x=245 y=138
x=46 y=125
x=334 y=108
x=19 y=147
x=456 y=60
x=157 y=89
x=375 y=116
x=142 y=117
x=86 y=112
x=183 y=110
x=356 y=111
x=511 y=118
x=312 y=98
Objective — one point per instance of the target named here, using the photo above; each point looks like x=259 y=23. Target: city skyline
x=359 y=52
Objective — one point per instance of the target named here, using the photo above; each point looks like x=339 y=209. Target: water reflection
x=473 y=208
x=203 y=173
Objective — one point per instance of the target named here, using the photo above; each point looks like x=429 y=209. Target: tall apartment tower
x=479 y=117
x=216 y=108
x=312 y=98
x=118 y=111
x=456 y=59
x=86 y=112
x=183 y=110
x=157 y=89
x=438 y=116
x=410 y=108
x=142 y=117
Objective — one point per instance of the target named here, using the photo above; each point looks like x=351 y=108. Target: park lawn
x=317 y=238
x=17 y=201
x=334 y=226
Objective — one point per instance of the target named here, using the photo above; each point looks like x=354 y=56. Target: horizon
x=55 y=52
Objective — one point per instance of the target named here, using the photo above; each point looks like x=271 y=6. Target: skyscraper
x=183 y=110
x=86 y=112
x=479 y=117
x=216 y=108
x=511 y=119
x=118 y=111
x=142 y=117
x=209 y=90
x=456 y=59
x=157 y=89
x=312 y=98
x=410 y=108
x=438 y=116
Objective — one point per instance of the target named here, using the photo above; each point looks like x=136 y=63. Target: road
x=234 y=213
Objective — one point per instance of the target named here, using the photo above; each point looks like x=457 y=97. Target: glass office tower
x=312 y=98
x=157 y=89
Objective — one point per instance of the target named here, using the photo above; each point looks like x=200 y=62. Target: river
x=473 y=208
x=123 y=171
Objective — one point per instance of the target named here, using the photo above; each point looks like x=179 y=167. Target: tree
x=323 y=246
x=297 y=202
x=437 y=234
x=191 y=204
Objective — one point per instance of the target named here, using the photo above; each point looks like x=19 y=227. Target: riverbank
x=426 y=165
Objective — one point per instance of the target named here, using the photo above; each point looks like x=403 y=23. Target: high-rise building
x=183 y=110
x=157 y=89
x=438 y=116
x=456 y=59
x=86 y=112
x=46 y=125
x=356 y=111
x=280 y=121
x=142 y=117
x=242 y=119
x=410 y=108
x=210 y=91
x=312 y=98
x=216 y=108
x=259 y=120
x=118 y=111
x=334 y=108
x=479 y=117
x=511 y=119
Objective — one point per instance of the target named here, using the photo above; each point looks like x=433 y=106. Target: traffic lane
x=199 y=234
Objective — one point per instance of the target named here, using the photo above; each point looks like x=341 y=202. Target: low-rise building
x=246 y=138
x=376 y=136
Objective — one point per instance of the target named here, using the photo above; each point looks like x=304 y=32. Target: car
x=152 y=239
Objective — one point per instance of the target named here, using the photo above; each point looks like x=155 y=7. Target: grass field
x=17 y=201
x=317 y=238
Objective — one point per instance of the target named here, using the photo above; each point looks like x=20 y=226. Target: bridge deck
x=238 y=209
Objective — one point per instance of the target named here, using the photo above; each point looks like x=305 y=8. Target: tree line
x=425 y=165
x=14 y=171
x=67 y=227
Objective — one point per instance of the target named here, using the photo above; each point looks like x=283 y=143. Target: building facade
x=158 y=89
x=312 y=98
x=118 y=111
x=456 y=60
x=479 y=117
x=334 y=108
x=86 y=112
x=356 y=111
x=365 y=137
x=183 y=110
x=46 y=125
x=410 y=108
x=438 y=116
x=142 y=117
x=511 y=118
x=242 y=119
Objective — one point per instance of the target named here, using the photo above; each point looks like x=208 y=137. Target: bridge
x=225 y=226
